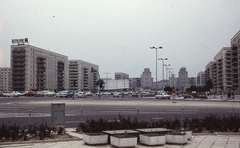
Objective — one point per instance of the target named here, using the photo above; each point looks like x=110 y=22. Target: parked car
x=89 y=93
x=30 y=94
x=66 y=94
x=163 y=95
x=47 y=93
x=1 y=94
x=81 y=95
x=116 y=94
x=134 y=94
x=12 y=94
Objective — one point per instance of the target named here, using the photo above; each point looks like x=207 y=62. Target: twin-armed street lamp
x=167 y=69
x=153 y=47
x=163 y=59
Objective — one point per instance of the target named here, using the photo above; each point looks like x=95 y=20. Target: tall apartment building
x=5 y=79
x=120 y=75
x=219 y=71
x=208 y=72
x=235 y=48
x=34 y=68
x=182 y=78
x=146 y=79
x=201 y=78
x=80 y=76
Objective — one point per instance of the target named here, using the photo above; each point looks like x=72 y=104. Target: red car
x=30 y=94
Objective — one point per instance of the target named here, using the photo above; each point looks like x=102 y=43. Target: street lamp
x=156 y=62
x=163 y=59
x=167 y=69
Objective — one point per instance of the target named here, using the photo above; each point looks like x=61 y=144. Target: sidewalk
x=224 y=140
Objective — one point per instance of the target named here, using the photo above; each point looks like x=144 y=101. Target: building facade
x=201 y=78
x=120 y=75
x=235 y=48
x=182 y=78
x=146 y=79
x=34 y=68
x=81 y=78
x=5 y=79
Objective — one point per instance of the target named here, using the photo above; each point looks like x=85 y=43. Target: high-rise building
x=182 y=78
x=201 y=78
x=5 y=79
x=34 y=68
x=81 y=78
x=223 y=70
x=235 y=47
x=146 y=79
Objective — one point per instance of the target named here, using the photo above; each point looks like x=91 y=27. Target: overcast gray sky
x=116 y=35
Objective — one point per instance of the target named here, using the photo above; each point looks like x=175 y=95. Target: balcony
x=18 y=60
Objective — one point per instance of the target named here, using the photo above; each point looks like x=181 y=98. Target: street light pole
x=163 y=59
x=167 y=69
x=156 y=62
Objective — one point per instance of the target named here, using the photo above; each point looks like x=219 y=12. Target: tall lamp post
x=167 y=69
x=153 y=47
x=163 y=59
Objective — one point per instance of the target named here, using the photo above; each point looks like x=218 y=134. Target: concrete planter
x=95 y=138
x=176 y=138
x=152 y=139
x=189 y=135
x=123 y=141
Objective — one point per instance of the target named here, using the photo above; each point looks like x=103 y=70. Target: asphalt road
x=16 y=110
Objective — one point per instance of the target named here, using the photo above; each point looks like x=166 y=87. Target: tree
x=100 y=83
x=209 y=85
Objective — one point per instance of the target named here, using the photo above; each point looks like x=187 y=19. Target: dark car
x=1 y=94
x=30 y=94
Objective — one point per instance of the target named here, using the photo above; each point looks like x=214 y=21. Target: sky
x=117 y=34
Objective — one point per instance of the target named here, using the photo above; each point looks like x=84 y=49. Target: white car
x=81 y=95
x=12 y=94
x=89 y=93
x=162 y=95
x=117 y=94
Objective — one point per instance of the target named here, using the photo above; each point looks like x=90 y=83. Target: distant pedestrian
x=174 y=94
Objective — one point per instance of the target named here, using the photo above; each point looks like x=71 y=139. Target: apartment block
x=5 y=79
x=235 y=48
x=201 y=78
x=219 y=71
x=81 y=78
x=34 y=68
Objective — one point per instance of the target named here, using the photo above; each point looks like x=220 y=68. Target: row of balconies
x=15 y=55
x=18 y=50
x=18 y=60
